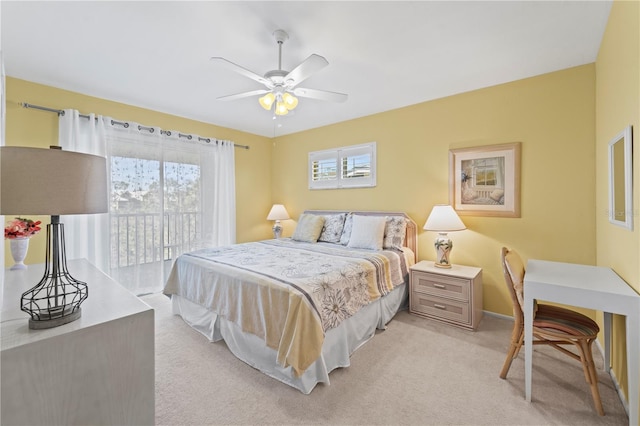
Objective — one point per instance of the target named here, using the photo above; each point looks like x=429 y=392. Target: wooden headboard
x=411 y=238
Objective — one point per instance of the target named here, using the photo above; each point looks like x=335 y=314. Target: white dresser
x=99 y=369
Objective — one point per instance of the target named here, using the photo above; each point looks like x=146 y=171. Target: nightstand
x=452 y=295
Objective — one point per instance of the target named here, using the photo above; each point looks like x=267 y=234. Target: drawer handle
x=436 y=305
x=436 y=285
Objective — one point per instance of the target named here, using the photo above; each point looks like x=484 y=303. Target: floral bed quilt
x=287 y=292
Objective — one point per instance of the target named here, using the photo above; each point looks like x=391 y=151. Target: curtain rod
x=167 y=132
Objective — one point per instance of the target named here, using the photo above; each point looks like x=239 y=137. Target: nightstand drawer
x=442 y=308
x=442 y=286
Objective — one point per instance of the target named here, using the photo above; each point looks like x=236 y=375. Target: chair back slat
x=513 y=270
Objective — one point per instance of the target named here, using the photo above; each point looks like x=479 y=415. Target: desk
x=593 y=287
x=99 y=369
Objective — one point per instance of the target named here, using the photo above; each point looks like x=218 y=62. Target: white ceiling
x=384 y=55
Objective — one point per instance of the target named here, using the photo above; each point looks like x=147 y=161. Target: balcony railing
x=142 y=238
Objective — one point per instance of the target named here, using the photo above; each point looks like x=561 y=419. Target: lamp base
x=55 y=322
x=443 y=247
x=56 y=299
x=442 y=265
x=277 y=230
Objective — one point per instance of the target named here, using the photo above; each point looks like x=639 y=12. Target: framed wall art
x=485 y=180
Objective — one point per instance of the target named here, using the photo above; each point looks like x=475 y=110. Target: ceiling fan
x=282 y=86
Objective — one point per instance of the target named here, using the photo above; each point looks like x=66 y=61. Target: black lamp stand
x=56 y=299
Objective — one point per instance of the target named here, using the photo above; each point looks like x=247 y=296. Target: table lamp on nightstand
x=53 y=182
x=443 y=219
x=277 y=213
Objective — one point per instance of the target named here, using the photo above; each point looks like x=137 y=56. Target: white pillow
x=367 y=232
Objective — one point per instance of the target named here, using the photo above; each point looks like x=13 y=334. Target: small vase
x=19 y=247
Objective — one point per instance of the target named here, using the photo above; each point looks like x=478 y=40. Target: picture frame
x=485 y=180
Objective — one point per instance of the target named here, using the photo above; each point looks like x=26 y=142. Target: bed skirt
x=339 y=343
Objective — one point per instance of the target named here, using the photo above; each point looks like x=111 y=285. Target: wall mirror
x=620 y=180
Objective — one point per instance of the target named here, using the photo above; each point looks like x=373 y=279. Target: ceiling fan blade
x=309 y=66
x=323 y=95
x=243 y=95
x=240 y=70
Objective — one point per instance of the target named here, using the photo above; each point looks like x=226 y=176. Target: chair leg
x=592 y=379
x=517 y=338
x=584 y=360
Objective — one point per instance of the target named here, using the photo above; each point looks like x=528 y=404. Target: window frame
x=339 y=155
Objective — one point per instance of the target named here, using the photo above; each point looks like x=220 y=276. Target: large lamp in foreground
x=443 y=219
x=53 y=182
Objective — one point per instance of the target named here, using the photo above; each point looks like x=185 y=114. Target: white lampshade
x=443 y=218
x=52 y=182
x=278 y=212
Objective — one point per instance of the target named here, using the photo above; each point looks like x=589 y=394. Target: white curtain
x=222 y=225
x=2 y=132
x=2 y=101
x=169 y=193
x=86 y=236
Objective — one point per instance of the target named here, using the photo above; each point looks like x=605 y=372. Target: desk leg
x=607 y=341
x=528 y=345
x=633 y=364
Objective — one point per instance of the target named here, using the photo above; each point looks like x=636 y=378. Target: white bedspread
x=285 y=292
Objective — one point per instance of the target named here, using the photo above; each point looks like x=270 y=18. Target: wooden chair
x=552 y=325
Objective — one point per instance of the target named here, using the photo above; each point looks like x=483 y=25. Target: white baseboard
x=497 y=315
x=614 y=379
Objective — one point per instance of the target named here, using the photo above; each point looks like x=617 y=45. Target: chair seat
x=557 y=319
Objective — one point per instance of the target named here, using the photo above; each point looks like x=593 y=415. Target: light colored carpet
x=417 y=372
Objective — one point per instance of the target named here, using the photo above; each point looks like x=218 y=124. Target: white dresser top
x=459 y=271
x=106 y=301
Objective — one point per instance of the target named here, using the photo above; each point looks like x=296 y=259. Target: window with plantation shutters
x=323 y=168
x=347 y=167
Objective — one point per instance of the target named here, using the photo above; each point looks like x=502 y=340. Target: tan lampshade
x=53 y=182
x=278 y=212
x=443 y=218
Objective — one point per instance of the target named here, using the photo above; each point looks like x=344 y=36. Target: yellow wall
x=617 y=106
x=552 y=115
x=30 y=127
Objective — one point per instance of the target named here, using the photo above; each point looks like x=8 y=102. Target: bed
x=297 y=308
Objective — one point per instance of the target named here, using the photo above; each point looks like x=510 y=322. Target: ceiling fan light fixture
x=281 y=86
x=290 y=101
x=281 y=108
x=267 y=101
